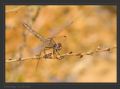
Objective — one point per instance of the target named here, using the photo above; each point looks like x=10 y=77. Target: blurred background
x=93 y=26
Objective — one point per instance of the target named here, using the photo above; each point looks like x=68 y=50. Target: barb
x=49 y=56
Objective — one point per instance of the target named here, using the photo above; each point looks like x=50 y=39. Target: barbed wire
x=62 y=56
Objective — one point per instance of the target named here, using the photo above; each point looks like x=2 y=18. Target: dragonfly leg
x=54 y=54
x=60 y=57
x=38 y=57
x=44 y=53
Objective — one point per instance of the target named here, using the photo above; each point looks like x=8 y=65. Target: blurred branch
x=21 y=48
x=81 y=54
x=37 y=13
x=15 y=9
x=112 y=8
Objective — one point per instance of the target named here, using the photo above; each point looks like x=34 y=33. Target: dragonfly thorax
x=49 y=43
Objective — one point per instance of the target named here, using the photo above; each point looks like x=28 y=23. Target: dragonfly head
x=57 y=46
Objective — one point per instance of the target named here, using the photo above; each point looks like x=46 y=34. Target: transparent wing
x=57 y=30
x=38 y=49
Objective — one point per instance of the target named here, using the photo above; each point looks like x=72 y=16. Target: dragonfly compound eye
x=57 y=46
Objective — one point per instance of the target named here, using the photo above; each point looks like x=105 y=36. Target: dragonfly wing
x=37 y=35
x=56 y=31
x=38 y=49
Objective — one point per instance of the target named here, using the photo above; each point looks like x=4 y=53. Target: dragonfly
x=48 y=43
